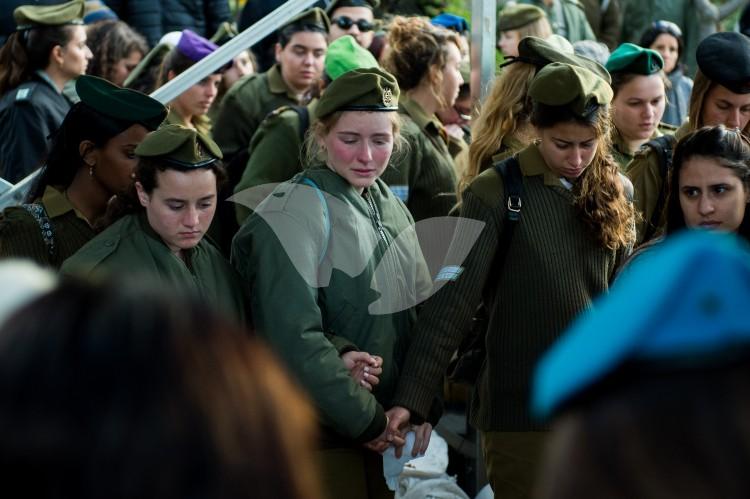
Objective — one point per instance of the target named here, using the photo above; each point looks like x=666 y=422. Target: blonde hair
x=702 y=84
x=417 y=50
x=507 y=106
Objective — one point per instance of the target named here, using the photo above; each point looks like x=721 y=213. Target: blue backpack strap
x=48 y=233
x=326 y=215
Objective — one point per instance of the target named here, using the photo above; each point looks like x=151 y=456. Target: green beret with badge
x=367 y=89
x=725 y=59
x=370 y=4
x=121 y=105
x=574 y=87
x=30 y=16
x=180 y=147
x=314 y=19
x=345 y=54
x=540 y=52
x=630 y=58
x=517 y=16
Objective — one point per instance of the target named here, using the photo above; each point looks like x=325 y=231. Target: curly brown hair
x=110 y=42
x=417 y=50
x=599 y=193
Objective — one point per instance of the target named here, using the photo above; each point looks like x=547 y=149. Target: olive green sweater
x=553 y=271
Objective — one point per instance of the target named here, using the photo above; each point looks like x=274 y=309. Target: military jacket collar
x=44 y=77
x=430 y=124
x=276 y=83
x=56 y=204
x=533 y=164
x=151 y=233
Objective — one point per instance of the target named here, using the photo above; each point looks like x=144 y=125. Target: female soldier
x=575 y=224
x=91 y=160
x=176 y=184
x=516 y=22
x=117 y=50
x=666 y=38
x=425 y=61
x=721 y=96
x=639 y=86
x=502 y=127
x=313 y=253
x=191 y=107
x=47 y=51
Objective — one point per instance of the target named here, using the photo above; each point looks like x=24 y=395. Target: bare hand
x=398 y=423
x=382 y=442
x=422 y=435
x=364 y=368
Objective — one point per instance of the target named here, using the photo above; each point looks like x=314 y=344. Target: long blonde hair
x=507 y=106
x=539 y=28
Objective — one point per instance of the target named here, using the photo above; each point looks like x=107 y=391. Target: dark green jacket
x=425 y=177
x=21 y=235
x=567 y=19
x=131 y=247
x=326 y=276
x=606 y=23
x=552 y=272
x=275 y=152
x=246 y=104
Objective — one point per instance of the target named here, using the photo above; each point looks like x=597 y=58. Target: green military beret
x=345 y=54
x=540 y=52
x=725 y=59
x=370 y=4
x=630 y=58
x=180 y=147
x=121 y=104
x=314 y=19
x=366 y=89
x=517 y=16
x=28 y=16
x=574 y=87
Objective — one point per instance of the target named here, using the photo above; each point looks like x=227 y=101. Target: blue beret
x=451 y=21
x=683 y=300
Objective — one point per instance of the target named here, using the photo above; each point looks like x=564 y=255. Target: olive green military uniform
x=605 y=24
x=346 y=239
x=275 y=152
x=246 y=104
x=130 y=246
x=202 y=124
x=620 y=151
x=567 y=19
x=425 y=178
x=645 y=173
x=62 y=231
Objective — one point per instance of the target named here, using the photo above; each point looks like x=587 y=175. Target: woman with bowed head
x=47 y=51
x=516 y=22
x=639 y=84
x=575 y=225
x=92 y=160
x=160 y=237
x=335 y=275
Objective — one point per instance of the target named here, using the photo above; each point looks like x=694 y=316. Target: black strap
x=510 y=171
x=663 y=147
x=304 y=121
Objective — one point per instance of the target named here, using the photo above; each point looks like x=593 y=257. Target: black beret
x=725 y=59
x=121 y=104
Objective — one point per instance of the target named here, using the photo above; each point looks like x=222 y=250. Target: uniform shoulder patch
x=25 y=91
x=667 y=128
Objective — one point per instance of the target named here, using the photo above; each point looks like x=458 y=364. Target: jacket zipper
x=375 y=216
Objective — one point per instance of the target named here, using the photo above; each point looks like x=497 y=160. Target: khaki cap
x=574 y=87
x=315 y=19
x=180 y=147
x=29 y=16
x=367 y=89
x=517 y=16
x=540 y=52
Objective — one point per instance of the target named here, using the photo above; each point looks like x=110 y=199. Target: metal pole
x=483 y=22
x=230 y=50
x=192 y=75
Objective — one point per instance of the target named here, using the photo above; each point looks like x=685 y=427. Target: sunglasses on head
x=667 y=27
x=344 y=22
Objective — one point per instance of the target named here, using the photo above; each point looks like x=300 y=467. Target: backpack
x=467 y=364
x=663 y=147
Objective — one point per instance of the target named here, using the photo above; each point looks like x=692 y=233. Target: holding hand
x=363 y=367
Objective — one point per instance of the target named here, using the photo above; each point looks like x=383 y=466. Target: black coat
x=154 y=18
